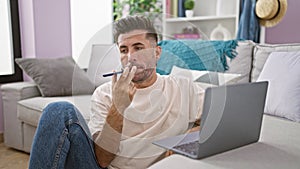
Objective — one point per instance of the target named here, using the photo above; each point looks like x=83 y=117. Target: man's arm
x=107 y=142
x=196 y=126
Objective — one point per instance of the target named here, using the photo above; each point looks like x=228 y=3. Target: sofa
x=23 y=102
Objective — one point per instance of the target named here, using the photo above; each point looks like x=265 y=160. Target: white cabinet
x=91 y=23
x=206 y=18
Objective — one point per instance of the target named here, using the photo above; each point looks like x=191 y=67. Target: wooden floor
x=12 y=159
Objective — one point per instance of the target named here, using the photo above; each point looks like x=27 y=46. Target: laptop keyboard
x=190 y=148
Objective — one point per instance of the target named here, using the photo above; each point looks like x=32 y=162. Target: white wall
x=6 y=54
x=91 y=23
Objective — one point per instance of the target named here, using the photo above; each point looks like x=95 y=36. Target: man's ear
x=157 y=52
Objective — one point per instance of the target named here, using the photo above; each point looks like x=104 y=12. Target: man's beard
x=143 y=75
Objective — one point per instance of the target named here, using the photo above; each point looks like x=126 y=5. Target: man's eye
x=138 y=48
x=123 y=51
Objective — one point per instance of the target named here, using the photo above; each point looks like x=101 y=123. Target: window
x=10 y=46
x=6 y=56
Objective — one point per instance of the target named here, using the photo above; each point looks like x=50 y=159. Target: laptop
x=231 y=118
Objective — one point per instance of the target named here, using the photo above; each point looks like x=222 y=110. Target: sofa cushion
x=261 y=53
x=57 y=76
x=282 y=70
x=104 y=58
x=29 y=110
x=242 y=63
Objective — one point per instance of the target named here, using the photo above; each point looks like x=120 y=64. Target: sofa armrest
x=11 y=94
x=20 y=90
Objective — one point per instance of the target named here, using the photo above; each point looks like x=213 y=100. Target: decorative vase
x=189 y=13
x=220 y=33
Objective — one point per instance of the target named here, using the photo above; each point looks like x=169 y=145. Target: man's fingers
x=125 y=73
x=114 y=79
x=128 y=74
x=132 y=90
x=168 y=153
x=131 y=73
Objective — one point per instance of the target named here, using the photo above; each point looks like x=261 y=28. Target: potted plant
x=149 y=8
x=189 y=6
x=152 y=8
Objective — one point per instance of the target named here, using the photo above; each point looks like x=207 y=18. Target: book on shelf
x=181 y=10
x=174 y=5
x=168 y=9
x=187 y=36
x=175 y=8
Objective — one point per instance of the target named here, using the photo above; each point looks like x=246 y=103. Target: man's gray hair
x=136 y=22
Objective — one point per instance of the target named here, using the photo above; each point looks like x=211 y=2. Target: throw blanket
x=195 y=55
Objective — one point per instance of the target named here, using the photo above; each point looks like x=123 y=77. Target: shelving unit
x=205 y=18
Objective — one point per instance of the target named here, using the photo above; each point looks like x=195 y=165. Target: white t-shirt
x=164 y=109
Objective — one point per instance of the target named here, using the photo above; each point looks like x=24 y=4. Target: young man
x=128 y=114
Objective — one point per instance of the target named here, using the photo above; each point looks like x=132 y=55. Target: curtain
x=249 y=28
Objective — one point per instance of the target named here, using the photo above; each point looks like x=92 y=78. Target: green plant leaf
x=189 y=4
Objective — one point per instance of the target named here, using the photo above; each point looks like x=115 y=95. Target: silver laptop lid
x=232 y=116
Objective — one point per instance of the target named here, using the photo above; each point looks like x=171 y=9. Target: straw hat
x=270 y=12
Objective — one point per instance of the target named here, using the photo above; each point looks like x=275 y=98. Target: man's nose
x=131 y=57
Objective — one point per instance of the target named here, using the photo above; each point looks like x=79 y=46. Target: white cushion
x=282 y=70
x=261 y=53
x=214 y=78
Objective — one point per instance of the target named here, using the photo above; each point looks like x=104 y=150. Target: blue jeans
x=62 y=140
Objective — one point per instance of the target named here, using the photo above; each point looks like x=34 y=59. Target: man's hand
x=195 y=128
x=123 y=89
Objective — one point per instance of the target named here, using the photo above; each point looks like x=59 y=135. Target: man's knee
x=61 y=108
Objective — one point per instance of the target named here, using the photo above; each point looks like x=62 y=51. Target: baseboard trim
x=1 y=138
